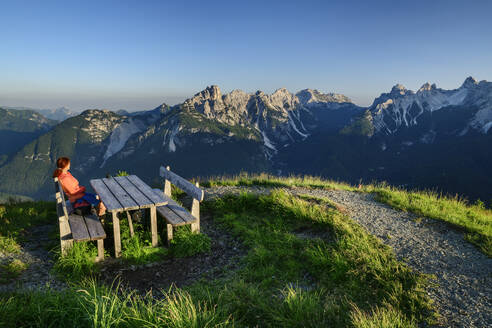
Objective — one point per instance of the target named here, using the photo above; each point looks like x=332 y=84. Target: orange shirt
x=71 y=186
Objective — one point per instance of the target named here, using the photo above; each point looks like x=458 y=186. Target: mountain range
x=431 y=138
x=56 y=114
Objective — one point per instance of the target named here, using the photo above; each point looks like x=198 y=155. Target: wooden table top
x=127 y=193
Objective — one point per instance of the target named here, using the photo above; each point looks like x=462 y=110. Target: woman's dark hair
x=61 y=163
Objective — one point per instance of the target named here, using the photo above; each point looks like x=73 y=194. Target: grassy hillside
x=306 y=264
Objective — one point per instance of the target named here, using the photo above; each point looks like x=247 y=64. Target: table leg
x=169 y=234
x=100 y=250
x=153 y=225
x=130 y=223
x=117 y=239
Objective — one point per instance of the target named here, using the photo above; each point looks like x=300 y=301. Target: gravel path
x=463 y=295
x=34 y=253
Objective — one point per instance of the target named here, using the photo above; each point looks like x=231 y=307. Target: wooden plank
x=182 y=212
x=175 y=214
x=183 y=184
x=66 y=240
x=116 y=231
x=170 y=216
x=94 y=226
x=60 y=196
x=120 y=194
x=153 y=225
x=130 y=223
x=78 y=227
x=58 y=189
x=139 y=198
x=158 y=199
x=111 y=203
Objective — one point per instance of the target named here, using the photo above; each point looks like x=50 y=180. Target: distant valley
x=431 y=138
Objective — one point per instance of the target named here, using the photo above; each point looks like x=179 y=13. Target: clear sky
x=138 y=54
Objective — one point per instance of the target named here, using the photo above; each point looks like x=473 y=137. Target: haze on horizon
x=136 y=55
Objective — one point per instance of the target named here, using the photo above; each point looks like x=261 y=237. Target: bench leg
x=153 y=225
x=195 y=211
x=65 y=246
x=100 y=250
x=169 y=234
x=117 y=238
x=130 y=223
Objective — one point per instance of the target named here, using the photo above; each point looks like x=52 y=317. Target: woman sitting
x=76 y=194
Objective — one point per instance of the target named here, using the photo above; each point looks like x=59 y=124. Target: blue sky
x=138 y=54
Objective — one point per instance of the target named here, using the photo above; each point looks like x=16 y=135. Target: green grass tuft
x=92 y=305
x=380 y=318
x=186 y=243
x=78 y=263
x=268 y=180
x=11 y=270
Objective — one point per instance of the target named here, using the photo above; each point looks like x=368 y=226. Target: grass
x=17 y=217
x=347 y=278
x=474 y=219
x=268 y=180
x=92 y=305
x=186 y=244
x=78 y=263
x=11 y=270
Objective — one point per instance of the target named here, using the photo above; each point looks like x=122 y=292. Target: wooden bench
x=174 y=214
x=75 y=227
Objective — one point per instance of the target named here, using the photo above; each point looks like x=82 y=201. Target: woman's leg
x=95 y=201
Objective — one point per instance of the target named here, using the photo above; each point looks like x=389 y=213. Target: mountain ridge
x=282 y=132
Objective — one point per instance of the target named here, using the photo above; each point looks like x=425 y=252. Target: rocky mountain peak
x=307 y=96
x=282 y=98
x=469 y=82
x=282 y=92
x=398 y=89
x=427 y=87
x=162 y=108
x=211 y=93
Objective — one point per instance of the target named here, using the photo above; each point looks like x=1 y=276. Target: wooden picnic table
x=125 y=193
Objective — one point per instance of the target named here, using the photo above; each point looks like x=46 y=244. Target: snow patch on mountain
x=267 y=142
x=486 y=127
x=293 y=125
x=172 y=145
x=119 y=137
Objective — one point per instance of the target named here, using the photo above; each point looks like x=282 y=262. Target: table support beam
x=130 y=223
x=117 y=239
